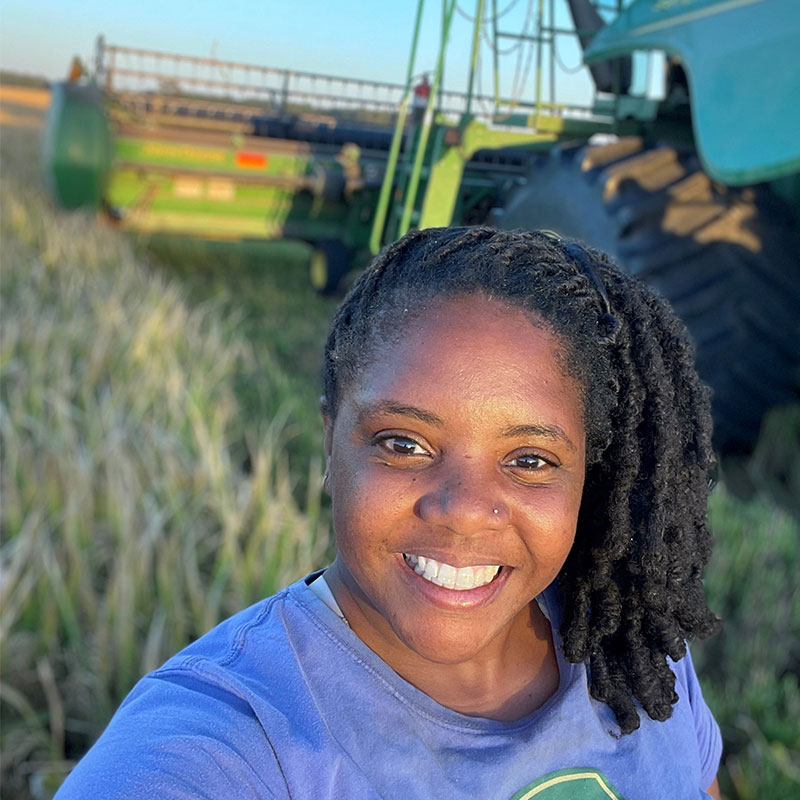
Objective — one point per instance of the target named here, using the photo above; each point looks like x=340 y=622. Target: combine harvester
x=694 y=185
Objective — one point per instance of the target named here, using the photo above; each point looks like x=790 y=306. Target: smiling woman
x=426 y=462
x=518 y=454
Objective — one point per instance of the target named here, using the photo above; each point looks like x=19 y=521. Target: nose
x=464 y=501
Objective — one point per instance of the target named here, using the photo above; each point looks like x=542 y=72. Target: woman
x=518 y=452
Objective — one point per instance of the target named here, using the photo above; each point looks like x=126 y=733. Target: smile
x=448 y=576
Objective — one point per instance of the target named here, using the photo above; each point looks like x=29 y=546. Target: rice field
x=161 y=469
x=143 y=499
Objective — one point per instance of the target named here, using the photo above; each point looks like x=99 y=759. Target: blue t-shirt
x=283 y=700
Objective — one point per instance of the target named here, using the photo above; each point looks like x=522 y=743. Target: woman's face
x=460 y=450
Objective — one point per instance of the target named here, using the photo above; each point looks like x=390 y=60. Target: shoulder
x=179 y=735
x=690 y=736
x=693 y=705
x=204 y=723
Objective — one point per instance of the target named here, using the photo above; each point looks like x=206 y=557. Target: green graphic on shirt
x=583 y=783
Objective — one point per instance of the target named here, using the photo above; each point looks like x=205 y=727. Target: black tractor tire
x=330 y=262
x=726 y=259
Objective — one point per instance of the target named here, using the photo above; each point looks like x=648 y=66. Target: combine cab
x=684 y=164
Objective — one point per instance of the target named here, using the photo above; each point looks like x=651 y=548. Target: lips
x=450 y=577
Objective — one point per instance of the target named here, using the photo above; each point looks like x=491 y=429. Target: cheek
x=365 y=502
x=550 y=524
x=367 y=488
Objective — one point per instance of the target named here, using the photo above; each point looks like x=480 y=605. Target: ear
x=327 y=422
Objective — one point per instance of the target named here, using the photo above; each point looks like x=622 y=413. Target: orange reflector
x=452 y=137
x=252 y=160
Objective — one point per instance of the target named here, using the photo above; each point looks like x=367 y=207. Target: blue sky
x=357 y=38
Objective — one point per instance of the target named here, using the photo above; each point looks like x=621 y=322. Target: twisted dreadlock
x=631 y=585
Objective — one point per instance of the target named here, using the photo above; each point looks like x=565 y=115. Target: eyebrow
x=390 y=407
x=548 y=431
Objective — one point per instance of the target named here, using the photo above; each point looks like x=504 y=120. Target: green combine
x=685 y=165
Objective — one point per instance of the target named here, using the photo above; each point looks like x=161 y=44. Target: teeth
x=448 y=576
x=465 y=579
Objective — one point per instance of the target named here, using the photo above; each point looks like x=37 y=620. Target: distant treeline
x=21 y=79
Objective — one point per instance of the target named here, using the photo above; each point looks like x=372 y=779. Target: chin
x=442 y=646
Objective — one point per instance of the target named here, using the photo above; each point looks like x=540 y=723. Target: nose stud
x=495 y=511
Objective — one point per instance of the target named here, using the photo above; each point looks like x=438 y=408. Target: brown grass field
x=23 y=106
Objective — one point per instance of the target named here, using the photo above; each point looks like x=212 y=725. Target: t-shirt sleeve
x=176 y=737
x=709 y=738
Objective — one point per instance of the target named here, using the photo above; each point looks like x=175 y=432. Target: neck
x=505 y=682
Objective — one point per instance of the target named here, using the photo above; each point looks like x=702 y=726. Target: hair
x=631 y=586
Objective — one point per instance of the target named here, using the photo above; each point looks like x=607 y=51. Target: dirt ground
x=23 y=106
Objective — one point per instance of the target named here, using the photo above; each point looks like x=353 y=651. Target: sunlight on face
x=461 y=445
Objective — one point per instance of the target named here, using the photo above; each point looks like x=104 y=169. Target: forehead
x=469 y=353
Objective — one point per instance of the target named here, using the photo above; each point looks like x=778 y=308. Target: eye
x=530 y=467
x=398 y=445
x=528 y=461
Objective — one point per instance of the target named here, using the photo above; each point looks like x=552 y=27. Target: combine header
x=178 y=144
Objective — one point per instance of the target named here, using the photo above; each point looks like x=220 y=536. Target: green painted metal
x=473 y=59
x=166 y=185
x=202 y=188
x=539 y=49
x=77 y=146
x=447 y=173
x=379 y=220
x=495 y=57
x=414 y=42
x=154 y=151
x=742 y=59
x=176 y=162
x=424 y=134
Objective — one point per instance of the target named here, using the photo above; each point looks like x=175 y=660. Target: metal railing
x=125 y=72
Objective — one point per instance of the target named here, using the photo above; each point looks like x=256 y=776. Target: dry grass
x=140 y=505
